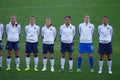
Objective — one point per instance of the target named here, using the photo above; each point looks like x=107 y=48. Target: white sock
x=27 y=62
x=0 y=61
x=8 y=62
x=44 y=62
x=100 y=65
x=52 y=62
x=70 y=64
x=62 y=63
x=109 y=65
x=17 y=62
x=36 y=61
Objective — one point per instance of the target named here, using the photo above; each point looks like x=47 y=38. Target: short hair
x=87 y=15
x=32 y=16
x=49 y=18
x=67 y=17
x=105 y=17
x=13 y=15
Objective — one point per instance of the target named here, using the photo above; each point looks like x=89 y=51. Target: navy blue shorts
x=48 y=48
x=31 y=47
x=105 y=48
x=1 y=45
x=86 y=48
x=67 y=47
x=12 y=45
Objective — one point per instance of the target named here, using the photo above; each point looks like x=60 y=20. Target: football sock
x=17 y=59
x=100 y=64
x=27 y=62
x=109 y=64
x=70 y=63
x=36 y=61
x=8 y=62
x=44 y=61
x=0 y=61
x=62 y=63
x=79 y=62
x=52 y=61
x=91 y=62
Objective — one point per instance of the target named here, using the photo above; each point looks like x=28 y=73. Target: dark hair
x=32 y=16
x=105 y=17
x=67 y=17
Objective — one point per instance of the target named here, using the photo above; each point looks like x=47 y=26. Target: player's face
x=87 y=19
x=67 y=20
x=13 y=19
x=48 y=22
x=105 y=21
x=32 y=20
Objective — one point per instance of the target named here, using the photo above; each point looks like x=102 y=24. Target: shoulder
x=100 y=26
x=81 y=24
x=72 y=26
x=110 y=26
x=92 y=25
x=37 y=26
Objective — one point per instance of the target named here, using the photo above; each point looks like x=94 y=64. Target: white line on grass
x=59 y=6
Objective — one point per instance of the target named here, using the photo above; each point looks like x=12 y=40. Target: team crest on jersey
x=108 y=28
x=51 y=29
x=35 y=28
x=70 y=27
x=89 y=26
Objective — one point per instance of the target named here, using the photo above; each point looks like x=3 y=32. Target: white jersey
x=48 y=34
x=13 y=32
x=1 y=31
x=105 y=33
x=67 y=33
x=32 y=33
x=86 y=32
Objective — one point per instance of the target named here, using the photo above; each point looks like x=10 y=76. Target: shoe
x=99 y=72
x=44 y=69
x=110 y=72
x=8 y=69
x=27 y=69
x=61 y=70
x=18 y=69
x=0 y=68
x=78 y=70
x=36 y=69
x=91 y=70
x=70 y=70
x=52 y=69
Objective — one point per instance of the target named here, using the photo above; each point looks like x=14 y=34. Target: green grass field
x=57 y=9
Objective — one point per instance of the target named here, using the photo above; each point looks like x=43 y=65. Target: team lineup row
x=67 y=35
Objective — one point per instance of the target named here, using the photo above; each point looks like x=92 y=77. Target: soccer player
x=13 y=30
x=67 y=34
x=48 y=34
x=105 y=32
x=1 y=36
x=86 y=30
x=32 y=32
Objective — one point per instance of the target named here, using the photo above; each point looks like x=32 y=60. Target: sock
x=62 y=63
x=8 y=62
x=0 y=61
x=70 y=63
x=79 y=62
x=109 y=64
x=52 y=62
x=100 y=65
x=36 y=61
x=91 y=62
x=17 y=59
x=45 y=62
x=27 y=62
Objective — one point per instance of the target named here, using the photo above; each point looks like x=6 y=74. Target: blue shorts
x=105 y=48
x=48 y=48
x=86 y=48
x=31 y=47
x=1 y=45
x=67 y=47
x=12 y=45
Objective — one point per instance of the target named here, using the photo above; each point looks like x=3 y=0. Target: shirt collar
x=66 y=26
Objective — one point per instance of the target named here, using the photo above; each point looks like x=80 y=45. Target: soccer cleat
x=27 y=69
x=61 y=70
x=18 y=69
x=99 y=72
x=52 y=69
x=36 y=69
x=44 y=69
x=110 y=72
x=91 y=70
x=8 y=69
x=70 y=70
x=78 y=70
x=0 y=68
